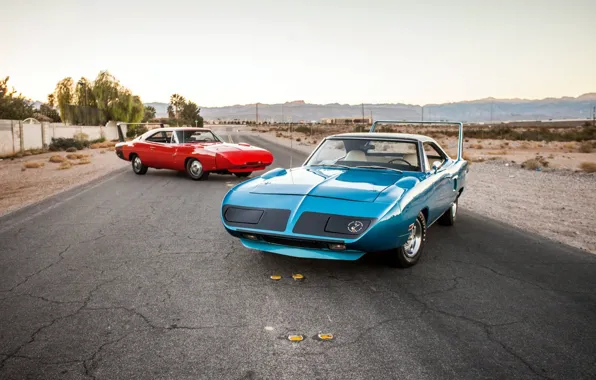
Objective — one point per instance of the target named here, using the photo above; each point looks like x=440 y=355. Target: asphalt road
x=134 y=277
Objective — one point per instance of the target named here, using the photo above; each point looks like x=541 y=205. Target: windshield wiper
x=378 y=167
x=333 y=165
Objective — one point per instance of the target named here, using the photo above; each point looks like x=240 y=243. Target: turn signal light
x=337 y=247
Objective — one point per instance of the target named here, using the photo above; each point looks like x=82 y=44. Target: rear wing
x=121 y=135
x=460 y=140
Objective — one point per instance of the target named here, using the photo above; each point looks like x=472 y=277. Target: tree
x=84 y=93
x=49 y=112
x=64 y=95
x=177 y=102
x=12 y=105
x=149 y=113
x=191 y=113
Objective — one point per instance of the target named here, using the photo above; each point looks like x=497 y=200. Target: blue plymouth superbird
x=355 y=193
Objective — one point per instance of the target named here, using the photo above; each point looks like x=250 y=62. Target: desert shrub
x=84 y=161
x=33 y=165
x=135 y=130
x=71 y=149
x=302 y=129
x=298 y=139
x=476 y=146
x=359 y=128
x=65 y=165
x=103 y=151
x=531 y=164
x=81 y=136
x=76 y=156
x=588 y=167
x=586 y=147
x=279 y=134
x=62 y=143
x=57 y=159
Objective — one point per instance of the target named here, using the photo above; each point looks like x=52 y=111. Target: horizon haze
x=323 y=52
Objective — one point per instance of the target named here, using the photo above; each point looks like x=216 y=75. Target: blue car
x=356 y=193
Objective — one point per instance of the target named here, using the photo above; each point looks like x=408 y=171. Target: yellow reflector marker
x=275 y=277
x=295 y=338
x=325 y=336
x=298 y=276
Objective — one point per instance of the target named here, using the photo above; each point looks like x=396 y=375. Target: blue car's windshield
x=362 y=153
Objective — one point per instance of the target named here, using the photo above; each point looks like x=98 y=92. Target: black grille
x=300 y=243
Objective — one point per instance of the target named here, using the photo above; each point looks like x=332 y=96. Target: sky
x=229 y=52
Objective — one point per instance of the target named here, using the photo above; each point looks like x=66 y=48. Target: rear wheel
x=409 y=253
x=242 y=175
x=194 y=169
x=137 y=165
x=448 y=218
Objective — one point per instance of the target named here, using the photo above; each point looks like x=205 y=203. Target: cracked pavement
x=134 y=277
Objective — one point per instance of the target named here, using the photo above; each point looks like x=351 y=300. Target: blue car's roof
x=368 y=135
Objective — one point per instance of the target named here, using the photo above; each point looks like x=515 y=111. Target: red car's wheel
x=137 y=165
x=194 y=169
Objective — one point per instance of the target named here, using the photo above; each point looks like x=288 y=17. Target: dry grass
x=531 y=164
x=588 y=167
x=57 y=159
x=33 y=165
x=569 y=146
x=586 y=147
x=476 y=146
x=499 y=153
x=83 y=161
x=103 y=152
x=76 y=156
x=65 y=165
x=71 y=149
x=103 y=145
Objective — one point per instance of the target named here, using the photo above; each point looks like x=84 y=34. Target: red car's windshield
x=191 y=136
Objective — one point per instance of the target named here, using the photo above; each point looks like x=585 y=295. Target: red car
x=197 y=151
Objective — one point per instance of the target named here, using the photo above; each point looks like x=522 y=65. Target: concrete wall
x=16 y=136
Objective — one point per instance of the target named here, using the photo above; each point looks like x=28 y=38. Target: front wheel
x=448 y=218
x=137 y=165
x=242 y=175
x=194 y=169
x=408 y=254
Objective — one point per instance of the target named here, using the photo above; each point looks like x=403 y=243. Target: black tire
x=448 y=218
x=138 y=167
x=409 y=254
x=194 y=170
x=242 y=175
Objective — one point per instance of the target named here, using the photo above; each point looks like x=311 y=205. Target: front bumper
x=307 y=253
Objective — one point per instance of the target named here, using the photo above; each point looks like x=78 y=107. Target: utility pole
x=422 y=113
x=491 y=112
x=282 y=113
x=594 y=116
x=257 y=113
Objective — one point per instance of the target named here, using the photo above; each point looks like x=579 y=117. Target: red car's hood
x=237 y=154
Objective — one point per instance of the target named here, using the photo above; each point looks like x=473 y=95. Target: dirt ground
x=20 y=188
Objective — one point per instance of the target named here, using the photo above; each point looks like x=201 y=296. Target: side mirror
x=436 y=166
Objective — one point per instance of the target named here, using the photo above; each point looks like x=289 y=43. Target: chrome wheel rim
x=412 y=246
x=453 y=210
x=196 y=168
x=137 y=164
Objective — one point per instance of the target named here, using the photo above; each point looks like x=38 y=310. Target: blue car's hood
x=350 y=184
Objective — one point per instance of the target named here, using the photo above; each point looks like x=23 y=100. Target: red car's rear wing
x=460 y=141
x=121 y=135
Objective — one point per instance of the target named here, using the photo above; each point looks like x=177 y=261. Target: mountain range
x=481 y=110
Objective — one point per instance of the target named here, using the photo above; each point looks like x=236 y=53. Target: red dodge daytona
x=196 y=151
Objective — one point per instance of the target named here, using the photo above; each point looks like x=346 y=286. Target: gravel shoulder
x=559 y=204
x=20 y=188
